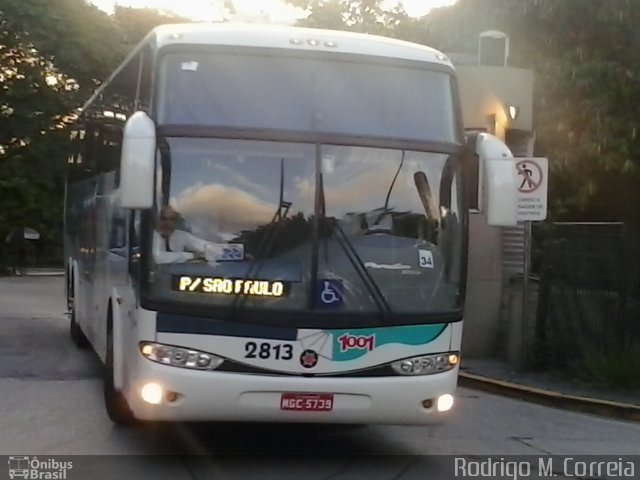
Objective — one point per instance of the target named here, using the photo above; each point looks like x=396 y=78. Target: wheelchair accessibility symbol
x=330 y=293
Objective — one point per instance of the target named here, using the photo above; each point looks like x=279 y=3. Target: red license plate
x=307 y=402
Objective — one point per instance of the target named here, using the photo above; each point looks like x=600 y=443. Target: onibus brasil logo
x=37 y=469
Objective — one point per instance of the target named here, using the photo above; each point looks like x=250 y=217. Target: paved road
x=51 y=404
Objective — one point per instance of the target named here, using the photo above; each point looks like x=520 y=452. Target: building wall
x=485 y=94
x=488 y=91
x=484 y=289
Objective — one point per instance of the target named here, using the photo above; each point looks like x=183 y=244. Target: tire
x=78 y=337
x=116 y=405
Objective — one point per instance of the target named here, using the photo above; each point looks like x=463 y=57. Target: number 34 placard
x=425 y=258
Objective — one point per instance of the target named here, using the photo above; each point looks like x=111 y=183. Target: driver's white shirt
x=183 y=247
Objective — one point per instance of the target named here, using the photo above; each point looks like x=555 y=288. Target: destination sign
x=229 y=286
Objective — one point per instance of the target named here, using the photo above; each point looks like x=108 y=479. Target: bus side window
x=75 y=160
x=89 y=150
x=118 y=239
x=109 y=146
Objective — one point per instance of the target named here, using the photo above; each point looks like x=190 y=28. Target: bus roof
x=286 y=37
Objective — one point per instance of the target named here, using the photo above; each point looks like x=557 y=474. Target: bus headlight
x=151 y=393
x=426 y=364
x=445 y=402
x=180 y=357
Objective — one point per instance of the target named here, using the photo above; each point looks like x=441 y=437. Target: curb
x=42 y=272
x=551 y=398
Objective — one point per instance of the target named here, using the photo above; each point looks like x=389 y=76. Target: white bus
x=268 y=224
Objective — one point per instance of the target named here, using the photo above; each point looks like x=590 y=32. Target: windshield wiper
x=321 y=222
x=385 y=209
x=273 y=228
x=358 y=265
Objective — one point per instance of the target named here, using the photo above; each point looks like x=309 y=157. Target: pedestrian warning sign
x=532 y=174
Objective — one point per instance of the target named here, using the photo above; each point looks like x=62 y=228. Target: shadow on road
x=40 y=348
x=280 y=439
x=264 y=450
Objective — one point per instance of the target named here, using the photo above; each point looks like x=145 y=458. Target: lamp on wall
x=513 y=111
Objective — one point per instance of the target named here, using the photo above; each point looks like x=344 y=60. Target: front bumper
x=192 y=395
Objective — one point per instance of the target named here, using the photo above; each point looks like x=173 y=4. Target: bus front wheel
x=116 y=405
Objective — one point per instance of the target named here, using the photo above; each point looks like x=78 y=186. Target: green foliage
x=611 y=369
x=366 y=16
x=80 y=39
x=135 y=23
x=53 y=54
x=32 y=191
x=585 y=96
x=34 y=95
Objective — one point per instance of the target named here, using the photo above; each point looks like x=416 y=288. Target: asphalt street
x=51 y=405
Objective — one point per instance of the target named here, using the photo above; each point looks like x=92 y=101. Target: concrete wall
x=484 y=289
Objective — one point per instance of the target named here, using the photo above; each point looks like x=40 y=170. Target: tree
x=586 y=92
x=135 y=23
x=79 y=38
x=366 y=16
x=42 y=83
x=35 y=96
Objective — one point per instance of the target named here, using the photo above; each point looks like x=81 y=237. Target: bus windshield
x=292 y=227
x=336 y=95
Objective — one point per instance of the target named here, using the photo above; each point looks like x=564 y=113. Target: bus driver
x=171 y=245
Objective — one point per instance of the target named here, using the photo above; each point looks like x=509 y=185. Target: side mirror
x=500 y=192
x=137 y=163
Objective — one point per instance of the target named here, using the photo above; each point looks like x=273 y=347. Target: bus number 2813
x=266 y=351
